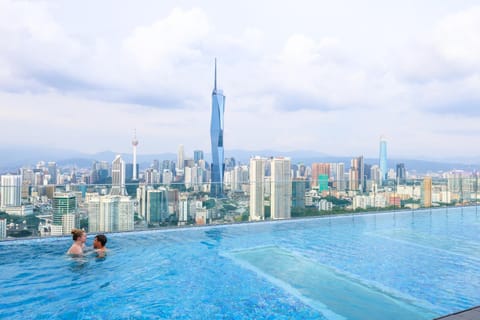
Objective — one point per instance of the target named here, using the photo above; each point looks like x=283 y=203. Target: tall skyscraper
x=401 y=173
x=216 y=136
x=357 y=174
x=257 y=190
x=338 y=175
x=118 y=177
x=281 y=189
x=135 y=144
x=11 y=191
x=383 y=158
x=180 y=157
x=65 y=213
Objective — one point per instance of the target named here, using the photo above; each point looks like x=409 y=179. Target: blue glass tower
x=383 y=158
x=216 y=137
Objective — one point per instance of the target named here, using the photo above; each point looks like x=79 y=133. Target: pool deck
x=469 y=314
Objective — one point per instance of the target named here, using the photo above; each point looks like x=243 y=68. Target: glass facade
x=216 y=136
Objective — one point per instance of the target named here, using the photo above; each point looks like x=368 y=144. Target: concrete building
x=257 y=190
x=110 y=213
x=281 y=188
x=10 y=191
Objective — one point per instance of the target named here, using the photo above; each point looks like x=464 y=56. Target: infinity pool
x=403 y=265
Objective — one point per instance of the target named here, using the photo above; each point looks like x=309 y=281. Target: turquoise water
x=403 y=265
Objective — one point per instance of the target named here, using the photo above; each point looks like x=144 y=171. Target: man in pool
x=79 y=237
x=99 y=243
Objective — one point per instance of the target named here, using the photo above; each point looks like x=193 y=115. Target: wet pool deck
x=469 y=314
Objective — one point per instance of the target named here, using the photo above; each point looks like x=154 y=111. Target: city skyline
x=333 y=79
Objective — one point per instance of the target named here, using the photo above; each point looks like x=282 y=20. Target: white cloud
x=173 y=40
x=313 y=89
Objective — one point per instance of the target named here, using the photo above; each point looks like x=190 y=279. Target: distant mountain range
x=11 y=159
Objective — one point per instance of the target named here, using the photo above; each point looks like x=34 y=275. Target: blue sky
x=306 y=75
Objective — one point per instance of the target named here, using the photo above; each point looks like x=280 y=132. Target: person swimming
x=79 y=237
x=99 y=243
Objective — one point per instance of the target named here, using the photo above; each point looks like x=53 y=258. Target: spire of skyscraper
x=215 y=78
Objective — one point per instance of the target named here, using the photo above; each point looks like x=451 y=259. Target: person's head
x=99 y=241
x=79 y=234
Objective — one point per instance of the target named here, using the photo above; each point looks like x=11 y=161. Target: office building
x=52 y=172
x=401 y=173
x=298 y=193
x=65 y=213
x=157 y=206
x=118 y=177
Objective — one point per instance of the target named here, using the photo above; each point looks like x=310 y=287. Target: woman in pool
x=79 y=237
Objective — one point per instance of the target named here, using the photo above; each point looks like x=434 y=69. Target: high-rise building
x=401 y=173
x=52 y=171
x=156 y=165
x=197 y=155
x=157 y=206
x=216 y=136
x=180 y=157
x=281 y=188
x=383 y=158
x=3 y=228
x=110 y=213
x=427 y=192
x=357 y=174
x=338 y=174
x=11 y=191
x=135 y=144
x=65 y=213
x=257 y=194
x=118 y=177
x=376 y=175
x=319 y=169
x=298 y=193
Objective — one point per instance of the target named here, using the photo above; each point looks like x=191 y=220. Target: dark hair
x=77 y=233
x=102 y=238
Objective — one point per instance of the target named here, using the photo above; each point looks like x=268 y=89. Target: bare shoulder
x=74 y=249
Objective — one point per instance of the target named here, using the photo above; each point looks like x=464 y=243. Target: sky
x=327 y=76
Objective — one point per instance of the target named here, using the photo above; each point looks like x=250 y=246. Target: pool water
x=402 y=265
